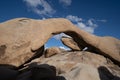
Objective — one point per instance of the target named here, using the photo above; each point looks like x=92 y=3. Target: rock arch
x=22 y=36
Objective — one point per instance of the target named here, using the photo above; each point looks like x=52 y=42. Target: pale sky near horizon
x=99 y=17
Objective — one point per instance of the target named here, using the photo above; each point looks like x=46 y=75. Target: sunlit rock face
x=77 y=65
x=69 y=42
x=22 y=43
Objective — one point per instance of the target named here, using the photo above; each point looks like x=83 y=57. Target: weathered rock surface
x=23 y=36
x=69 y=42
x=23 y=39
x=82 y=72
x=110 y=46
x=82 y=65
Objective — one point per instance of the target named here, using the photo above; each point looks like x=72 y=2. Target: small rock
x=69 y=42
x=52 y=51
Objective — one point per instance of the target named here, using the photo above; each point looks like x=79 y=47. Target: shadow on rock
x=38 y=53
x=105 y=74
x=44 y=72
x=8 y=72
x=40 y=72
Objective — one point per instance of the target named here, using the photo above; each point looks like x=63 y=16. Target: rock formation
x=22 y=44
x=83 y=65
x=69 y=42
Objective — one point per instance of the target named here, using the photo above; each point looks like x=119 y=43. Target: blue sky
x=100 y=17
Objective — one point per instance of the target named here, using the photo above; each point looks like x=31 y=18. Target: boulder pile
x=23 y=56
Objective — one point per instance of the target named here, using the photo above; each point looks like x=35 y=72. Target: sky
x=99 y=17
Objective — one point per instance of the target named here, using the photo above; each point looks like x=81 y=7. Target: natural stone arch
x=24 y=36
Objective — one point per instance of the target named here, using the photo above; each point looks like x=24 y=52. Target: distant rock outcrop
x=22 y=43
x=69 y=42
